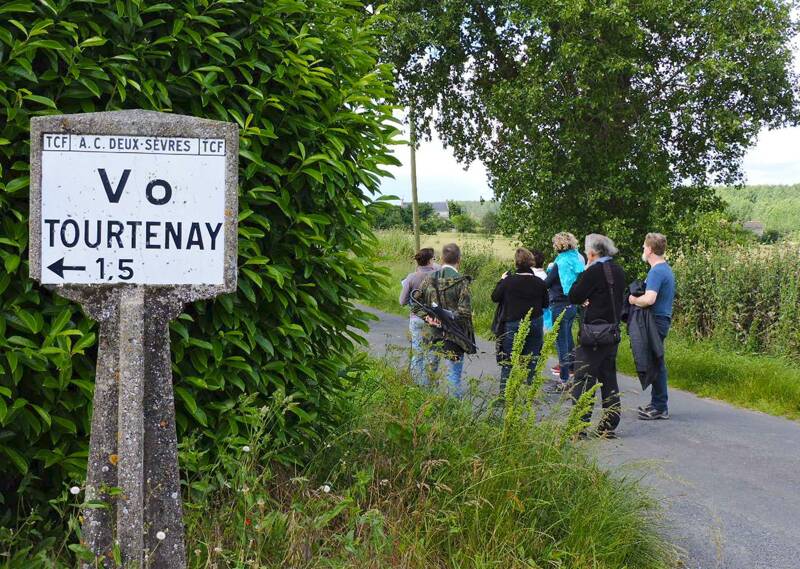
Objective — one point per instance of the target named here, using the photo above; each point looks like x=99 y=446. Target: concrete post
x=130 y=468
x=133 y=444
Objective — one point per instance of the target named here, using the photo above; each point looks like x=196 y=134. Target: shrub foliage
x=747 y=298
x=301 y=80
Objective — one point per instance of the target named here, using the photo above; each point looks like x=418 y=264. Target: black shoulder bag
x=600 y=332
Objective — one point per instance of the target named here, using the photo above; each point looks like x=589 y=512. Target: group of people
x=590 y=288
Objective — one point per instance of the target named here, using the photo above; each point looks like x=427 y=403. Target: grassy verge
x=764 y=383
x=414 y=480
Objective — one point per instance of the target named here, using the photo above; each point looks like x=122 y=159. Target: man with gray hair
x=600 y=290
x=658 y=297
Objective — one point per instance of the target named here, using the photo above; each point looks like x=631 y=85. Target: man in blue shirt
x=659 y=297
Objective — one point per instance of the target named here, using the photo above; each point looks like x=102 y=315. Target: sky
x=773 y=160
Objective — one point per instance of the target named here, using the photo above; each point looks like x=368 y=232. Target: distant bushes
x=390 y=216
x=303 y=82
x=744 y=297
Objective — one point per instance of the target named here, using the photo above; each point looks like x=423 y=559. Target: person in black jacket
x=518 y=294
x=602 y=303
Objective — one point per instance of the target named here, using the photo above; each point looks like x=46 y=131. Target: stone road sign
x=133 y=215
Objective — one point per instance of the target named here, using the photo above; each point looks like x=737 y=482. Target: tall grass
x=414 y=480
x=417 y=480
x=395 y=244
x=744 y=298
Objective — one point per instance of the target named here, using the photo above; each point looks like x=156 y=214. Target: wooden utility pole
x=414 y=200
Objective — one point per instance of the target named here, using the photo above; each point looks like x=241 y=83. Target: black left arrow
x=58 y=268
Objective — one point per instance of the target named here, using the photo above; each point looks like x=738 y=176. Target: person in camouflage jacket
x=450 y=290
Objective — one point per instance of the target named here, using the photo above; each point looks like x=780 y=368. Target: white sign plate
x=132 y=209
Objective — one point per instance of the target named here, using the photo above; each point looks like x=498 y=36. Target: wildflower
x=326 y=488
x=218 y=549
x=74 y=490
x=245 y=448
x=161 y=536
x=247 y=522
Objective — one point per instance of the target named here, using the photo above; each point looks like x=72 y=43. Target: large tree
x=591 y=115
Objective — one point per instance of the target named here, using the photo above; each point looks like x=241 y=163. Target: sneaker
x=653 y=415
x=646 y=408
x=556 y=370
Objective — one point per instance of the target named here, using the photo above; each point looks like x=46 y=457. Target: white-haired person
x=601 y=291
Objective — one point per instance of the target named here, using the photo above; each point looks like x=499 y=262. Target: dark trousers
x=658 y=391
x=599 y=364
x=532 y=347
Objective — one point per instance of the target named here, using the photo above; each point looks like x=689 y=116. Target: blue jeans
x=416 y=328
x=453 y=369
x=658 y=394
x=532 y=347
x=565 y=342
x=431 y=353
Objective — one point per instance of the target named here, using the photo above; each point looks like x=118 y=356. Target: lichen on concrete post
x=133 y=215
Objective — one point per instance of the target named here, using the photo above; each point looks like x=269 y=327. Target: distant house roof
x=441 y=208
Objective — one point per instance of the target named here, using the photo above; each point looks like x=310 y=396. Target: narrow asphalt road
x=729 y=478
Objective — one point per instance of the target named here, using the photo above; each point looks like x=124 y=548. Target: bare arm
x=646 y=300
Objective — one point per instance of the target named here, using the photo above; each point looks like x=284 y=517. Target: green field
x=500 y=246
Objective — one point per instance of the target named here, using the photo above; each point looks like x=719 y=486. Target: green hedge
x=746 y=298
x=301 y=79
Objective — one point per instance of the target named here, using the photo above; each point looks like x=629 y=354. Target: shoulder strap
x=610 y=281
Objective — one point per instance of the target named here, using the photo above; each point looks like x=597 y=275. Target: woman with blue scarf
x=561 y=275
